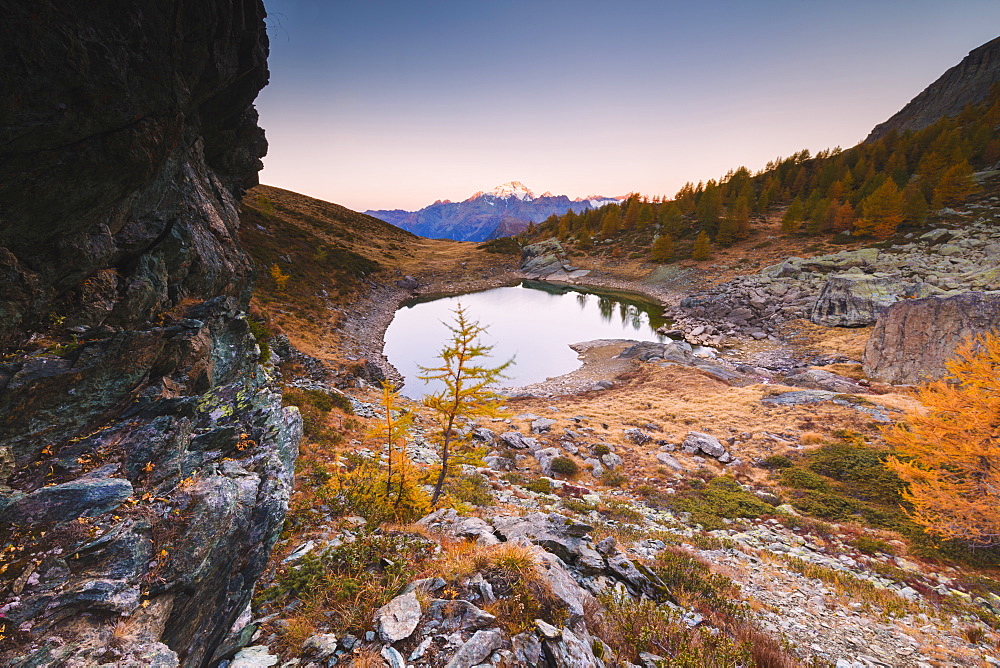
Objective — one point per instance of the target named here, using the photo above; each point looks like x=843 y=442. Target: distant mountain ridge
x=966 y=83
x=504 y=211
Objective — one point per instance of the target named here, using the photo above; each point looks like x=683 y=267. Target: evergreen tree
x=466 y=394
x=726 y=236
x=915 y=206
x=709 y=206
x=584 y=240
x=611 y=223
x=632 y=213
x=663 y=249
x=671 y=220
x=702 y=247
x=881 y=212
x=792 y=219
x=954 y=186
x=740 y=214
x=645 y=215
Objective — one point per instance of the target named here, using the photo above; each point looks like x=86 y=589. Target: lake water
x=533 y=322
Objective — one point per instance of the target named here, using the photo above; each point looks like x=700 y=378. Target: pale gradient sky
x=379 y=104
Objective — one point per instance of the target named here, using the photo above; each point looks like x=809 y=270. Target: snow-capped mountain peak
x=512 y=189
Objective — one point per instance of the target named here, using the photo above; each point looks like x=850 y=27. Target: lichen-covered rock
x=854 y=300
x=912 y=340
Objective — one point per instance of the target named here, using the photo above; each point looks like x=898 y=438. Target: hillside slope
x=968 y=82
x=345 y=267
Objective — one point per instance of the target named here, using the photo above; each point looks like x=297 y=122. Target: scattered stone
x=398 y=618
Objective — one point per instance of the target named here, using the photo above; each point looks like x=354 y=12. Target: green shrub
x=539 y=486
x=600 y=450
x=870 y=545
x=262 y=334
x=777 y=462
x=473 y=488
x=565 y=466
x=720 y=498
x=321 y=400
x=613 y=478
x=800 y=478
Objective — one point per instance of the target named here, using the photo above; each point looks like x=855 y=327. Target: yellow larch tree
x=466 y=394
x=949 y=455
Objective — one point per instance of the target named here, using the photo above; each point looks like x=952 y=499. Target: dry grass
x=368 y=657
x=680 y=399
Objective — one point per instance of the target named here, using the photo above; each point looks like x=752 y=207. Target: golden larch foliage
x=949 y=455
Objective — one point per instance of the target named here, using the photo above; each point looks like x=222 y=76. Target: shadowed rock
x=914 y=338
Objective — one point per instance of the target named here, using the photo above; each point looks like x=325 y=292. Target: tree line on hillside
x=869 y=190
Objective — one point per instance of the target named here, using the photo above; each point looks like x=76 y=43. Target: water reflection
x=534 y=322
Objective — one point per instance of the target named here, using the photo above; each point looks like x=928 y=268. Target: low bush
x=613 y=478
x=631 y=627
x=777 y=462
x=262 y=334
x=722 y=497
x=801 y=478
x=473 y=488
x=565 y=466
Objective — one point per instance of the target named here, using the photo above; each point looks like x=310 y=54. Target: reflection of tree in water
x=606 y=306
x=581 y=299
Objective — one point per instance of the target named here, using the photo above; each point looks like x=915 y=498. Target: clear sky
x=379 y=104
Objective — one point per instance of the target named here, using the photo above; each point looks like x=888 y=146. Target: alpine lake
x=532 y=323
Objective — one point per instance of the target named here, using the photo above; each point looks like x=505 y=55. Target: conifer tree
x=645 y=215
x=726 y=236
x=393 y=430
x=741 y=216
x=702 y=247
x=792 y=219
x=663 y=249
x=949 y=455
x=466 y=394
x=881 y=212
x=915 y=208
x=844 y=218
x=954 y=186
x=611 y=223
x=632 y=213
x=584 y=240
x=671 y=219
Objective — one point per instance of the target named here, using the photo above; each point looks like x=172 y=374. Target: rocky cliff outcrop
x=145 y=457
x=966 y=83
x=913 y=338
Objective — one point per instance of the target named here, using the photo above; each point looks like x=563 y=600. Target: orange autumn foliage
x=949 y=455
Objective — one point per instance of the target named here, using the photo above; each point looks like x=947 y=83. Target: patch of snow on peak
x=512 y=189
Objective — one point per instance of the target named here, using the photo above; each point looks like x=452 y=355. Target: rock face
x=152 y=457
x=912 y=340
x=965 y=83
x=854 y=300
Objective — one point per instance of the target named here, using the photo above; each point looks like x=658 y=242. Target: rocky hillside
x=145 y=457
x=966 y=83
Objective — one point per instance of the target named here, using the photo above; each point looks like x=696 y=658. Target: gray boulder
x=696 y=441
x=819 y=379
x=477 y=648
x=854 y=300
x=912 y=339
x=398 y=618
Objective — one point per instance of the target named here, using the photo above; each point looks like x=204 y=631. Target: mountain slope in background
x=966 y=83
x=501 y=212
